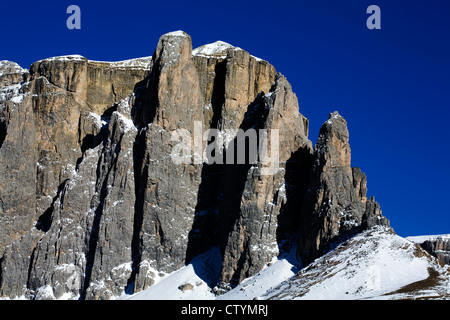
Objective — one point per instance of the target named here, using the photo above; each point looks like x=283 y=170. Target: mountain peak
x=105 y=209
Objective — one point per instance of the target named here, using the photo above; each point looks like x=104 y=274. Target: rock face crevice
x=93 y=205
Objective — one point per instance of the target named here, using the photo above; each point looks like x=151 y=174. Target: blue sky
x=392 y=85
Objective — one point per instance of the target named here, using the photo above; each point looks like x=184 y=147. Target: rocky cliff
x=92 y=203
x=438 y=247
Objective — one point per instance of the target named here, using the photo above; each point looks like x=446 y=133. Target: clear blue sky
x=392 y=85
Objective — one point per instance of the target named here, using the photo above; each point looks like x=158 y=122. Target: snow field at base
x=203 y=273
x=368 y=266
x=280 y=270
x=200 y=273
x=381 y=271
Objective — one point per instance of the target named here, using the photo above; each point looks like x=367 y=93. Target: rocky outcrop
x=17 y=159
x=10 y=74
x=93 y=204
x=335 y=205
x=438 y=247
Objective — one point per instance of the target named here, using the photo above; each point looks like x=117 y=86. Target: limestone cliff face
x=262 y=209
x=93 y=205
x=53 y=183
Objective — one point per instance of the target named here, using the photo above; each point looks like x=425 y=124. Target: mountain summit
x=93 y=206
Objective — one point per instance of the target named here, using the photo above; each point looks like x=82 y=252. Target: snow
x=422 y=239
x=17 y=99
x=258 y=59
x=45 y=293
x=70 y=57
x=218 y=49
x=9 y=92
x=138 y=63
x=177 y=33
x=201 y=273
x=279 y=270
x=268 y=95
x=371 y=265
x=10 y=67
x=126 y=123
x=335 y=115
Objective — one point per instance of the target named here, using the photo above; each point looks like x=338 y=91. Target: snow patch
x=422 y=239
x=126 y=123
x=17 y=99
x=218 y=49
x=277 y=271
x=71 y=57
x=369 y=265
x=137 y=63
x=201 y=273
x=178 y=33
x=45 y=293
x=10 y=67
x=9 y=92
x=335 y=115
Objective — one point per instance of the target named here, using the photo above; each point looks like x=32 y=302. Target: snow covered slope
x=197 y=279
x=376 y=264
x=201 y=275
x=421 y=239
x=218 y=49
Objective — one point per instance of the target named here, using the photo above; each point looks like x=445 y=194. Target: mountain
x=115 y=175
